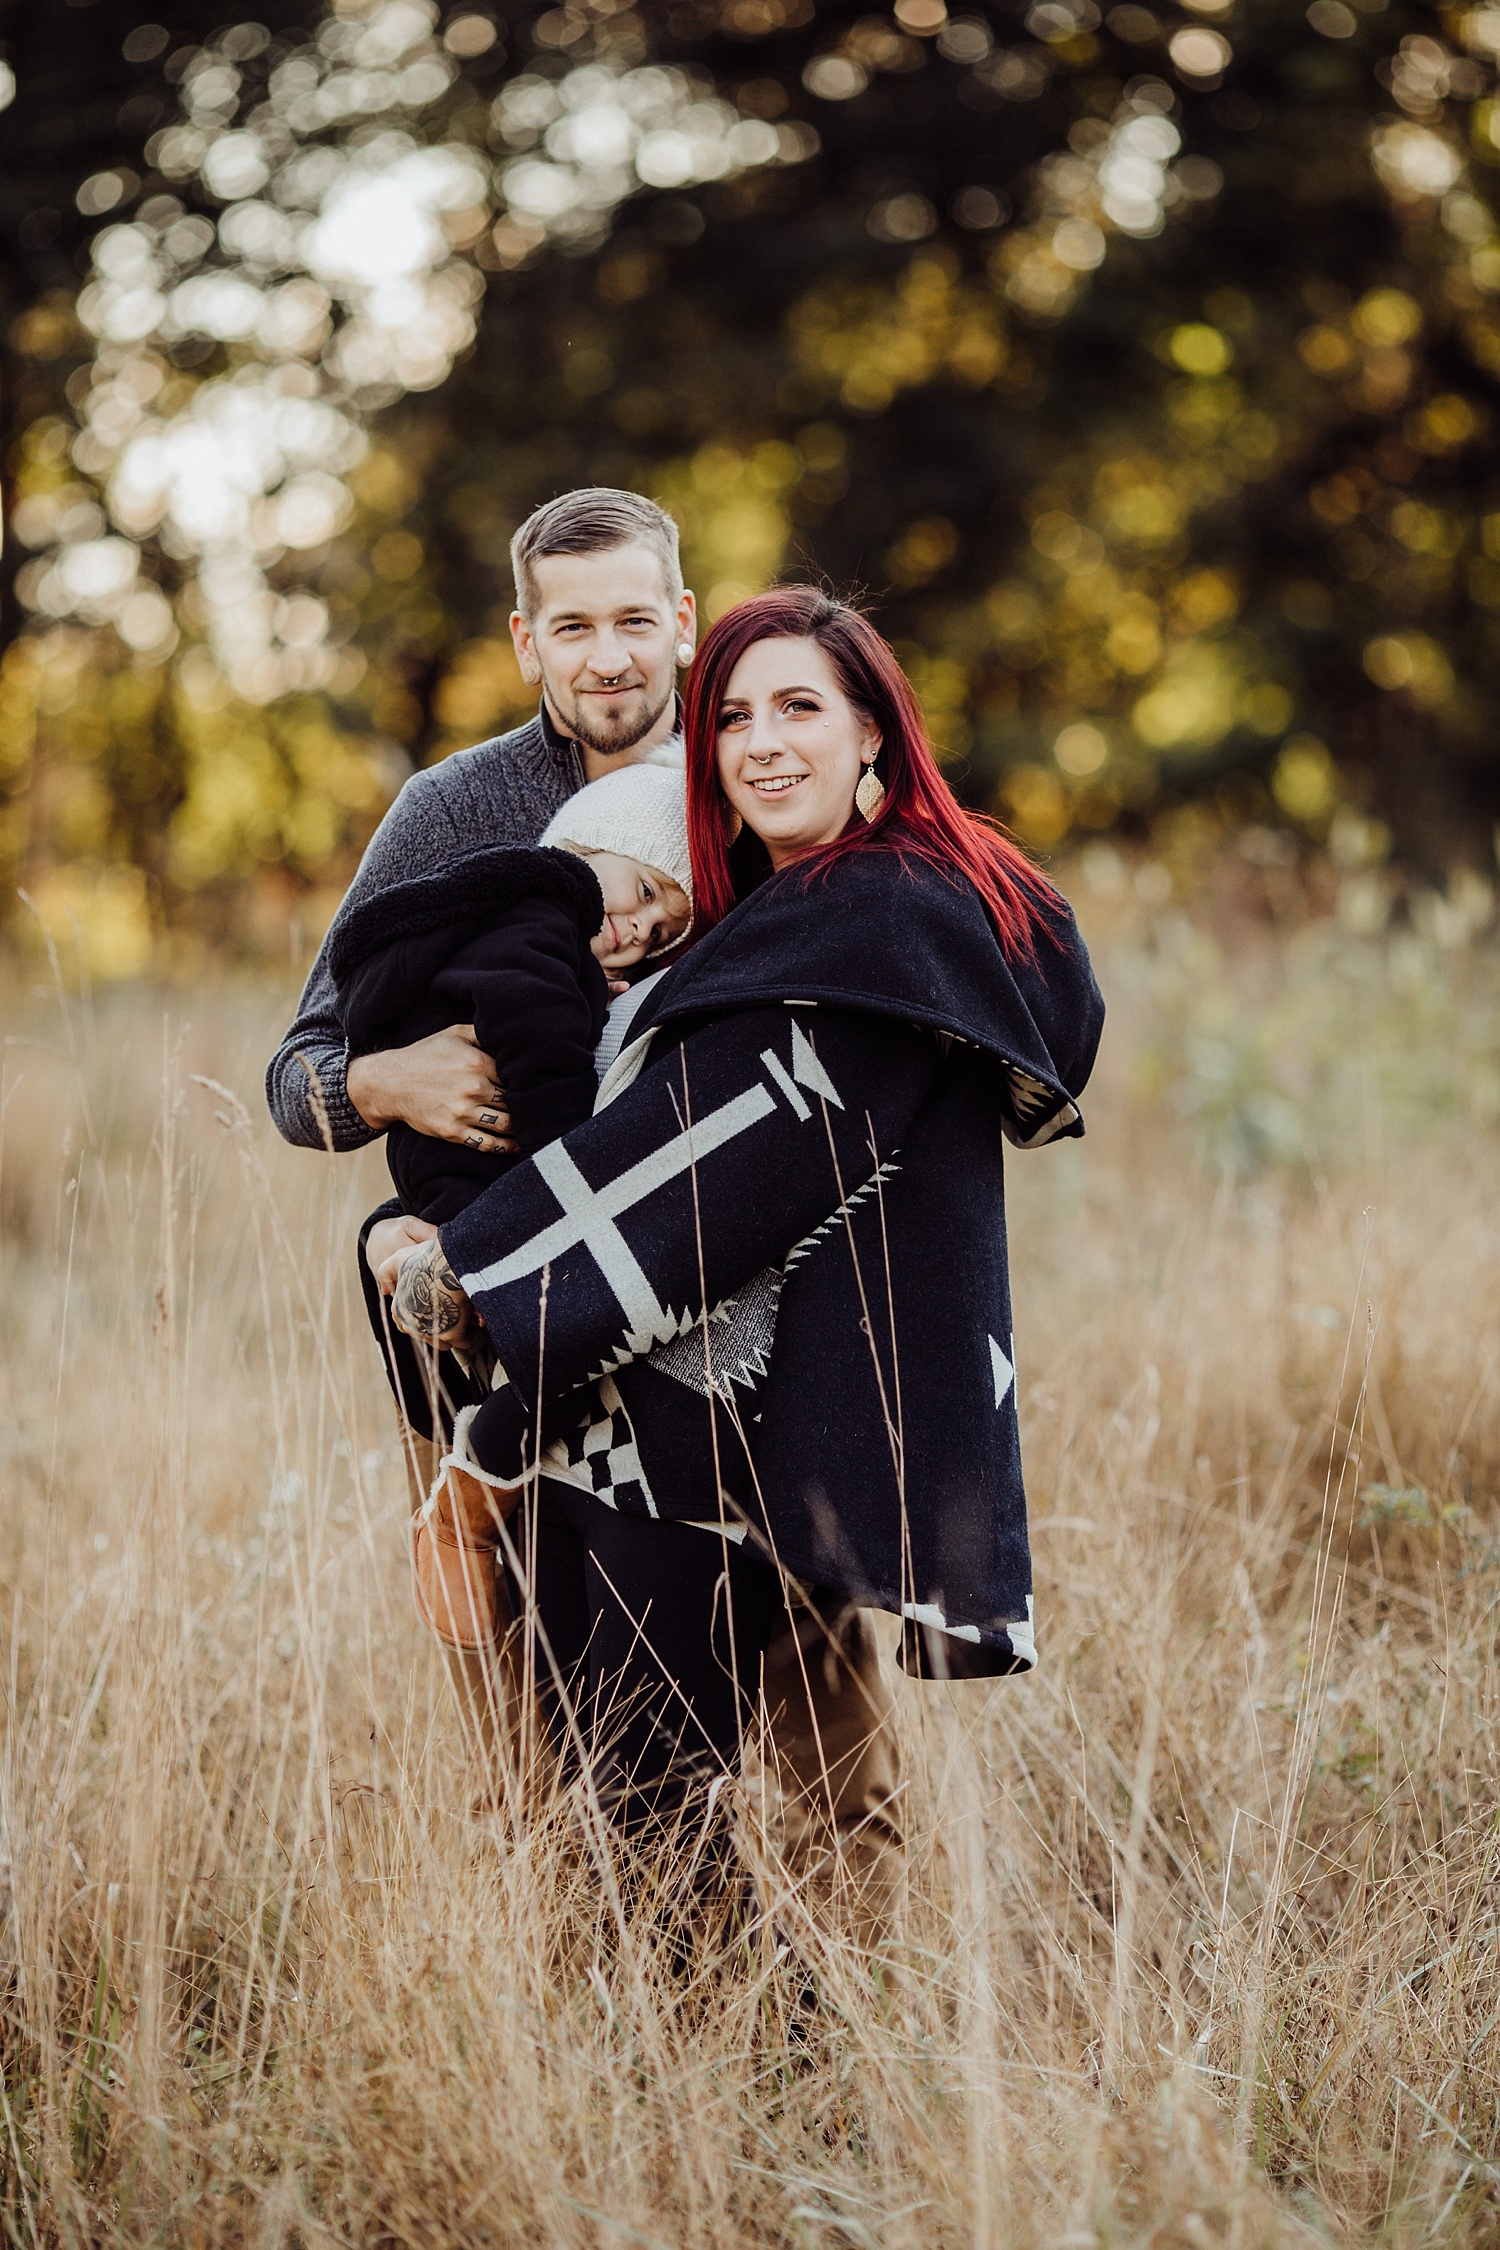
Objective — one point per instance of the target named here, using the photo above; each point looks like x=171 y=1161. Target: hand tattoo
x=428 y=1302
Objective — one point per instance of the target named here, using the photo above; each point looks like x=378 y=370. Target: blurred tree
x=1142 y=371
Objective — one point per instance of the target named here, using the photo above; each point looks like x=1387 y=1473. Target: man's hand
x=443 y=1086
x=426 y=1301
x=388 y=1242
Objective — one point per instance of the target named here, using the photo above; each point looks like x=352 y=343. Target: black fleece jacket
x=499 y=939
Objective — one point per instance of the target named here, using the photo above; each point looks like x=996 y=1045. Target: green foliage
x=1182 y=513
x=1412 y=1508
x=1280 y=1060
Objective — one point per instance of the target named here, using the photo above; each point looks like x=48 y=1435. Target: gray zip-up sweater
x=503 y=792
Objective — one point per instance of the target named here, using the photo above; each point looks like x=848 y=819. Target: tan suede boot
x=455 y=1535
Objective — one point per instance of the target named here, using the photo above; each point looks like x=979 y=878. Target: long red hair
x=920 y=818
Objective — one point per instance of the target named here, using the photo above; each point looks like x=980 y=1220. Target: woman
x=752 y=1321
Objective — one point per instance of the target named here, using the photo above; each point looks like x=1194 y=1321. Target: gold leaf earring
x=870 y=795
x=733 y=822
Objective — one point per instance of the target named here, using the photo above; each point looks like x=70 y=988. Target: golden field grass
x=1204 y=1944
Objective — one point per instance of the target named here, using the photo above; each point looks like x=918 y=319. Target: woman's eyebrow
x=778 y=695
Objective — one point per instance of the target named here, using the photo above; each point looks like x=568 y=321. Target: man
x=602 y=620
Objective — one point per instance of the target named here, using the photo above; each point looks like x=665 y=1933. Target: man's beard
x=606 y=742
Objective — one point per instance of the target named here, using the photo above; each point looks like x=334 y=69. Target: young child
x=521 y=942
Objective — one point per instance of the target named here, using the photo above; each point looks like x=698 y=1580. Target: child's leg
x=486 y=1684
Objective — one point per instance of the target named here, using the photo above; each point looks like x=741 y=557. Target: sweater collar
x=563 y=748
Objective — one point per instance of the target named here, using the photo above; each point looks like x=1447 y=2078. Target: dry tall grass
x=1205 y=1947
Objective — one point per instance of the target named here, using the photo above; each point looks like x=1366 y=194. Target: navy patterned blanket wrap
x=766 y=1282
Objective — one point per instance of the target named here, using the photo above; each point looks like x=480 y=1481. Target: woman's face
x=791 y=747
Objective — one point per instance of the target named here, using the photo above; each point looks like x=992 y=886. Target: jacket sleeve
x=417 y=833
x=532 y=1014
x=716 y=1163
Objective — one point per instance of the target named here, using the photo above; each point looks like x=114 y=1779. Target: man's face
x=604 y=642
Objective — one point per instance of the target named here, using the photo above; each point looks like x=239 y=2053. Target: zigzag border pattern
x=809 y=1242
x=676 y=1325
x=747 y=1322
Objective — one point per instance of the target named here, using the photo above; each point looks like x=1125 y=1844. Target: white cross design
x=589 y=1214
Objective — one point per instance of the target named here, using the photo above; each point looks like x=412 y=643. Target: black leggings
x=649 y=1647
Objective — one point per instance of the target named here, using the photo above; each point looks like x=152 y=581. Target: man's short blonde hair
x=588 y=522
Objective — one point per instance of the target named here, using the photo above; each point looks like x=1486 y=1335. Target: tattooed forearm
x=429 y=1302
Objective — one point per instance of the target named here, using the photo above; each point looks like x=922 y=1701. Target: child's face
x=643 y=910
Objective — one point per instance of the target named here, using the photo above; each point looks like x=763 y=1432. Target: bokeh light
x=1137 y=363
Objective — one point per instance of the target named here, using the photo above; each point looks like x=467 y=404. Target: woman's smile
x=775 y=784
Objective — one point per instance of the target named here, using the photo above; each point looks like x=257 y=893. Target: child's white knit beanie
x=640 y=811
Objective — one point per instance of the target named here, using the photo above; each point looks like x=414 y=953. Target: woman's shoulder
x=895 y=905
x=904 y=871
x=892 y=934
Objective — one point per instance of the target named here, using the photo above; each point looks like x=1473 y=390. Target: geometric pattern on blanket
x=740 y=1333
x=589 y=1215
x=602 y=1459
x=742 y=1329
x=1040 y=1113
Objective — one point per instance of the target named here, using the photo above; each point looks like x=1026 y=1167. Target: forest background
x=1140 y=370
